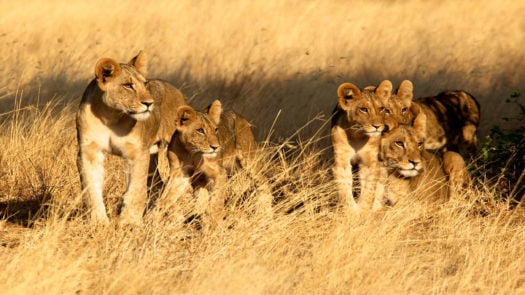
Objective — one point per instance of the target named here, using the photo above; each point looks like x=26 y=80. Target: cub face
x=125 y=86
x=362 y=108
x=400 y=103
x=402 y=147
x=198 y=132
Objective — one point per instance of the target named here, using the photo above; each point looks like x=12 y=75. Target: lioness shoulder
x=123 y=113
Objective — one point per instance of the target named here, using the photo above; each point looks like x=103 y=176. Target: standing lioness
x=124 y=114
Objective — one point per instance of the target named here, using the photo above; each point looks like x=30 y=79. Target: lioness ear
x=105 y=70
x=215 y=111
x=405 y=92
x=384 y=90
x=185 y=115
x=347 y=92
x=420 y=123
x=140 y=63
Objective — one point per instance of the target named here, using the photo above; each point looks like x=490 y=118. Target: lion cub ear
x=140 y=62
x=405 y=92
x=384 y=90
x=185 y=116
x=347 y=92
x=105 y=70
x=215 y=111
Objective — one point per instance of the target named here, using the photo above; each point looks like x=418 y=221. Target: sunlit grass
x=277 y=63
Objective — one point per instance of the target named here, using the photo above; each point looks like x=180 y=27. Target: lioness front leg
x=90 y=164
x=135 y=197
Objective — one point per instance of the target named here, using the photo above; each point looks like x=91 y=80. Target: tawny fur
x=207 y=147
x=411 y=172
x=453 y=118
x=355 y=132
x=125 y=114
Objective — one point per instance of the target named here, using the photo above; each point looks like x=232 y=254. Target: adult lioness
x=123 y=113
x=355 y=133
x=453 y=118
x=205 y=148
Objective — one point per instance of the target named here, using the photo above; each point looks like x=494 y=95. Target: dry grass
x=259 y=58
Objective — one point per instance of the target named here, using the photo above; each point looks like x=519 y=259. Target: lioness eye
x=128 y=85
x=200 y=130
x=387 y=111
x=216 y=130
x=363 y=110
x=420 y=144
x=399 y=144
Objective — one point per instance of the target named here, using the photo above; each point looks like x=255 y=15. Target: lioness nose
x=376 y=126
x=214 y=147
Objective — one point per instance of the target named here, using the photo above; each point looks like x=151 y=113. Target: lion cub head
x=402 y=147
x=198 y=131
x=362 y=108
x=124 y=86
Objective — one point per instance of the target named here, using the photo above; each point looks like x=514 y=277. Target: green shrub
x=502 y=155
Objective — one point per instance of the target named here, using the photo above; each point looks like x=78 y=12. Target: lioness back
x=168 y=98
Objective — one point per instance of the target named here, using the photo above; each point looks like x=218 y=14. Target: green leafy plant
x=502 y=154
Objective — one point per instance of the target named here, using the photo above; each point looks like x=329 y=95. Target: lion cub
x=411 y=172
x=125 y=114
x=205 y=148
x=355 y=133
x=453 y=118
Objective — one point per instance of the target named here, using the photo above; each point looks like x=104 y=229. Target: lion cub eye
x=216 y=130
x=128 y=86
x=386 y=111
x=404 y=110
x=399 y=144
x=363 y=110
x=420 y=145
x=200 y=131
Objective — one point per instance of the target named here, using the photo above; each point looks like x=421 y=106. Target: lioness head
x=125 y=86
x=197 y=131
x=363 y=107
x=402 y=147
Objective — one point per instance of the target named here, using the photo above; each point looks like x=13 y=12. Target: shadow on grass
x=25 y=212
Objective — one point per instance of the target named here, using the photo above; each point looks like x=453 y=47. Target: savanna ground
x=278 y=63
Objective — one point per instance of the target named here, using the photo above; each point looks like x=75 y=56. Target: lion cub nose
x=414 y=163
x=214 y=147
x=147 y=103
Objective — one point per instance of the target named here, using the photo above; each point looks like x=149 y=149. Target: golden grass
x=258 y=58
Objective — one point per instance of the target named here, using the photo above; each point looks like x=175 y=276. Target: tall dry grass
x=279 y=64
